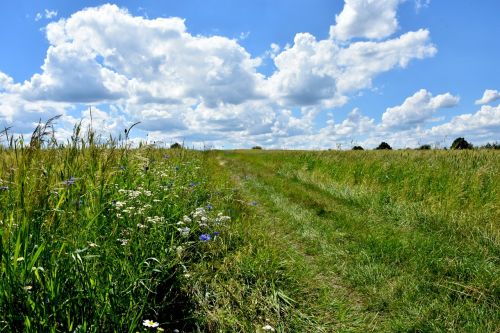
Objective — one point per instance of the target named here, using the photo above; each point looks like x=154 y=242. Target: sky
x=285 y=74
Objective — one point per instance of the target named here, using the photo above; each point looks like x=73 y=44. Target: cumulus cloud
x=208 y=89
x=322 y=72
x=373 y=19
x=488 y=96
x=479 y=124
x=416 y=110
x=114 y=55
x=362 y=61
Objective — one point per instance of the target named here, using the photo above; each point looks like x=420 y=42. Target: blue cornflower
x=177 y=168
x=210 y=207
x=70 y=181
x=205 y=237
x=216 y=233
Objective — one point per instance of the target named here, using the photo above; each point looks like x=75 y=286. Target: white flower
x=20 y=259
x=150 y=323
x=268 y=328
x=184 y=231
x=186 y=219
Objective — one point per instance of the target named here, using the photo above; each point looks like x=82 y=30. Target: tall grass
x=98 y=237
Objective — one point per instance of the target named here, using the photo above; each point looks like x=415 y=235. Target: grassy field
x=381 y=241
x=98 y=237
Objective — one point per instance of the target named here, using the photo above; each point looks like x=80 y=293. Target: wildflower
x=150 y=323
x=4 y=188
x=20 y=259
x=205 y=237
x=123 y=241
x=186 y=219
x=92 y=244
x=193 y=184
x=70 y=181
x=216 y=233
x=209 y=207
x=253 y=203
x=268 y=328
x=141 y=226
x=184 y=231
x=28 y=288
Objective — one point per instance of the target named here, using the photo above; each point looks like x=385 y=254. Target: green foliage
x=461 y=143
x=357 y=148
x=100 y=237
x=424 y=147
x=175 y=145
x=383 y=145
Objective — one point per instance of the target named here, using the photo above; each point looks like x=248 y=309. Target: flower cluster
x=201 y=219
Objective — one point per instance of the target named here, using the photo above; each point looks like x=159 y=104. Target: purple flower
x=205 y=237
x=216 y=233
x=70 y=181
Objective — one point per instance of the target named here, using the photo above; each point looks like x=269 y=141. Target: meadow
x=97 y=236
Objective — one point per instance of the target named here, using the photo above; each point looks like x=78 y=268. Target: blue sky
x=281 y=74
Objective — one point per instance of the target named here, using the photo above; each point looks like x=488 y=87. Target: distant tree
x=424 y=147
x=175 y=146
x=256 y=147
x=461 y=143
x=494 y=145
x=383 y=145
x=357 y=148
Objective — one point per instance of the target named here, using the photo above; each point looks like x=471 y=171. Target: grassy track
x=380 y=241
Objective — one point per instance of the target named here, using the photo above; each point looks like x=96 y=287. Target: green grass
x=307 y=241
x=382 y=241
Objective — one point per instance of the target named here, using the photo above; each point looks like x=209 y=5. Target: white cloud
x=373 y=19
x=48 y=14
x=416 y=110
x=321 y=72
x=207 y=89
x=362 y=61
x=354 y=124
x=420 y=4
x=488 y=97
x=483 y=123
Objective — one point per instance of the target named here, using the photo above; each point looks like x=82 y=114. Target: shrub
x=357 y=148
x=383 y=145
x=256 y=147
x=175 y=146
x=460 y=143
x=424 y=147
